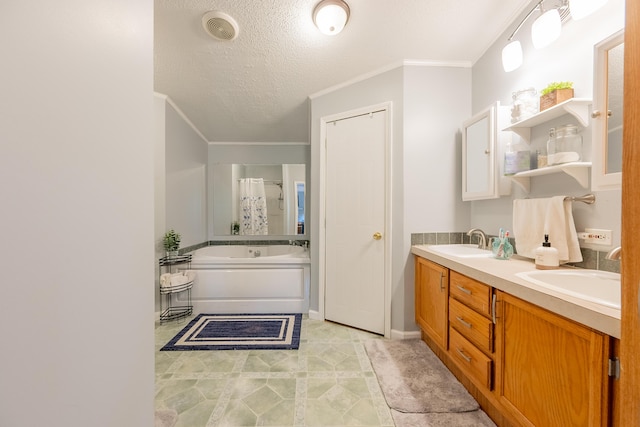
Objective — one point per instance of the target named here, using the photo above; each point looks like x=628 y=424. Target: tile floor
x=329 y=381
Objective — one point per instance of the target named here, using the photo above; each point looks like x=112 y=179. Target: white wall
x=568 y=58
x=76 y=180
x=186 y=178
x=436 y=101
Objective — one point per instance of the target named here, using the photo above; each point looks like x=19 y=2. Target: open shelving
x=577 y=107
x=578 y=170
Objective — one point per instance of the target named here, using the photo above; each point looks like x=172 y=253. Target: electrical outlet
x=597 y=236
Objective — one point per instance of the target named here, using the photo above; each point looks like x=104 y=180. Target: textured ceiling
x=255 y=88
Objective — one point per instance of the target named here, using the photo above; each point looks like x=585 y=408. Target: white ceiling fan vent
x=220 y=26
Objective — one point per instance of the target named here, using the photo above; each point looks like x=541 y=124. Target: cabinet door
x=482 y=152
x=549 y=370
x=432 y=294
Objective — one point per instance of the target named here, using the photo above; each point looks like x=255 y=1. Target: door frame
x=386 y=107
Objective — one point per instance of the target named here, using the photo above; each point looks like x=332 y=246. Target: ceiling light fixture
x=583 y=8
x=330 y=16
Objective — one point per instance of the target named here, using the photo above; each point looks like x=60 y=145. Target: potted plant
x=171 y=242
x=235 y=228
x=555 y=93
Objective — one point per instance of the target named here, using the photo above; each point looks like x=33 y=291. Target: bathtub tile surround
x=328 y=381
x=192 y=248
x=591 y=259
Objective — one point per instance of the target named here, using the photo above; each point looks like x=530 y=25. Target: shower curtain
x=253 y=207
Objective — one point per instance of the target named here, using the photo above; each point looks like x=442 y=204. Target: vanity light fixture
x=545 y=29
x=583 y=8
x=330 y=16
x=512 y=56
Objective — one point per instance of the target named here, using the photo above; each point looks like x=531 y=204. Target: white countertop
x=501 y=274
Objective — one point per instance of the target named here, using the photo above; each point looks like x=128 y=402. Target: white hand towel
x=533 y=218
x=561 y=229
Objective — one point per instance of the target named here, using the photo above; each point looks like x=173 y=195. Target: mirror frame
x=600 y=179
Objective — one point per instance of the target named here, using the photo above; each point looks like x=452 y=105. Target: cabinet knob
x=595 y=114
x=377 y=235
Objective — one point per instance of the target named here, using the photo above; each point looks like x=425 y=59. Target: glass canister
x=525 y=104
x=566 y=147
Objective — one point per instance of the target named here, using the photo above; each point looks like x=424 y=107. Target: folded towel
x=533 y=218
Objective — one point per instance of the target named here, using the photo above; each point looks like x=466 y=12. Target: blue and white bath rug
x=239 y=332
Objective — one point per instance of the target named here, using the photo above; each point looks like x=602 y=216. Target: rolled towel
x=178 y=279
x=165 y=279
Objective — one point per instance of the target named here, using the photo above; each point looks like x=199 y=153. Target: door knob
x=377 y=235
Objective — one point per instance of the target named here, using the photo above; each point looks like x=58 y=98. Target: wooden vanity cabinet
x=431 y=298
x=525 y=365
x=549 y=371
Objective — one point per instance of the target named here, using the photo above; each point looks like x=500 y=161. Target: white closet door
x=355 y=222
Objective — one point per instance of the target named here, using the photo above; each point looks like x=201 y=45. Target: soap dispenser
x=546 y=256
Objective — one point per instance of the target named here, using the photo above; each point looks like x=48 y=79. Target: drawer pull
x=493 y=308
x=463 y=289
x=464 y=322
x=464 y=356
x=441 y=285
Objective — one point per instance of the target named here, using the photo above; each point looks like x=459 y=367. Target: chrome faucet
x=482 y=237
x=615 y=253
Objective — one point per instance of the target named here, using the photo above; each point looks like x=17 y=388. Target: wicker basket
x=554 y=98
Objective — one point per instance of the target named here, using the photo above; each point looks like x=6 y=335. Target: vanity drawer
x=471 y=360
x=474 y=326
x=470 y=292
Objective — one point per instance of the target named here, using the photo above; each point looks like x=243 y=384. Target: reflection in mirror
x=607 y=113
x=254 y=200
x=615 y=78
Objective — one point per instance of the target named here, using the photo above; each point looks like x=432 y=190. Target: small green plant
x=555 y=86
x=171 y=241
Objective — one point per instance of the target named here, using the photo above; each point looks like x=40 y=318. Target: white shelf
x=577 y=107
x=577 y=170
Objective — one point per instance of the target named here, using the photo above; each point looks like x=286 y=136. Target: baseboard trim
x=315 y=315
x=404 y=335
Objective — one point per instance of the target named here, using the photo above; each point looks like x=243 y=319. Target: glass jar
x=524 y=104
x=567 y=147
x=550 y=149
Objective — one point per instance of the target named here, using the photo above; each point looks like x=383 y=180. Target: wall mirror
x=606 y=172
x=252 y=199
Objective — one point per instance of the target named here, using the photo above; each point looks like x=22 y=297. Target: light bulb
x=581 y=8
x=546 y=29
x=512 y=56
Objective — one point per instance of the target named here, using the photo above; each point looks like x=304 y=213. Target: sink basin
x=600 y=287
x=461 y=251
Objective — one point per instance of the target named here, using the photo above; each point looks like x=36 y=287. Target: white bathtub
x=232 y=279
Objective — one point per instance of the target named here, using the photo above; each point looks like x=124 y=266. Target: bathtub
x=250 y=279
